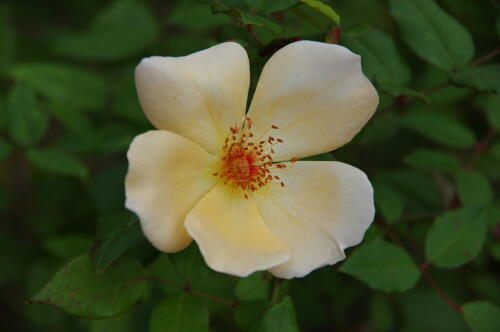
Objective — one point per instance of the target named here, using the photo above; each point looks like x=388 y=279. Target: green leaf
x=383 y=266
x=491 y=105
x=5 y=149
x=253 y=288
x=179 y=312
x=42 y=316
x=456 y=237
x=482 y=316
x=482 y=78
x=245 y=18
x=162 y=268
x=431 y=76
x=58 y=161
x=439 y=128
x=247 y=313
x=280 y=318
x=25 y=121
x=432 y=33
x=78 y=290
x=253 y=19
x=127 y=235
x=474 y=189
x=216 y=284
x=380 y=57
x=190 y=264
x=123 y=29
x=271 y=6
x=68 y=246
x=63 y=84
x=433 y=160
x=323 y=9
x=388 y=201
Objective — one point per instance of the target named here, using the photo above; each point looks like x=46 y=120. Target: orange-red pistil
x=247 y=163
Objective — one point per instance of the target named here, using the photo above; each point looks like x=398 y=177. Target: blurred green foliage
x=70 y=252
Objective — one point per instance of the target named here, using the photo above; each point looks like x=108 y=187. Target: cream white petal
x=167 y=176
x=231 y=234
x=323 y=208
x=318 y=96
x=199 y=96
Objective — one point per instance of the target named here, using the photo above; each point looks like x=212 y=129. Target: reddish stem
x=384 y=226
x=481 y=147
x=248 y=27
x=486 y=57
x=422 y=268
x=438 y=289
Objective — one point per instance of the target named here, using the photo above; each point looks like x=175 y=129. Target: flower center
x=247 y=163
x=239 y=167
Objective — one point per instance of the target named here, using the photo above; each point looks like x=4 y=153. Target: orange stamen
x=247 y=164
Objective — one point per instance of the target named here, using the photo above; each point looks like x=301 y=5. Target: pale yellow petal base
x=231 y=234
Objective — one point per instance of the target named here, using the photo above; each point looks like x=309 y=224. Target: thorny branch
x=480 y=147
x=422 y=268
x=434 y=284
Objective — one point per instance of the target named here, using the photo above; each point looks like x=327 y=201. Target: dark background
x=68 y=111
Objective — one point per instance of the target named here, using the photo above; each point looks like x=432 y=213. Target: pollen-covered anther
x=247 y=163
